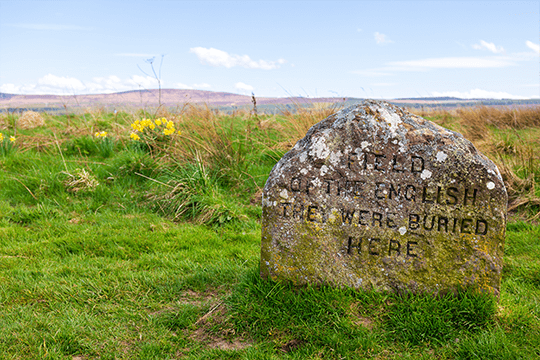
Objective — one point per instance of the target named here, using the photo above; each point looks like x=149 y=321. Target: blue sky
x=379 y=49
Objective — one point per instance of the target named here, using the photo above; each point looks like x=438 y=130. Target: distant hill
x=177 y=98
x=5 y=96
x=438 y=98
x=169 y=97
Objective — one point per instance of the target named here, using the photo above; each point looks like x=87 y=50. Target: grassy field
x=113 y=247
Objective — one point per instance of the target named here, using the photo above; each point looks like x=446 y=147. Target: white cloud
x=146 y=82
x=59 y=85
x=479 y=94
x=14 y=89
x=192 y=86
x=101 y=85
x=488 y=46
x=113 y=83
x=183 y=86
x=533 y=46
x=243 y=87
x=202 y=86
x=60 y=82
x=215 y=57
x=452 y=63
x=381 y=38
x=498 y=61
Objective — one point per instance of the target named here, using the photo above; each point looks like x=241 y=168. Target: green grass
x=160 y=259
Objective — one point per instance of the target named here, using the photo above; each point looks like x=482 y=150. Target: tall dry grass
x=301 y=119
x=225 y=143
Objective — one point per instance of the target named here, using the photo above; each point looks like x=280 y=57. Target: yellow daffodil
x=138 y=126
x=146 y=123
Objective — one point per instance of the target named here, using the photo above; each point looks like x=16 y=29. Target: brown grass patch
x=31 y=120
x=80 y=181
x=198 y=298
x=291 y=345
x=357 y=318
x=364 y=322
x=39 y=142
x=213 y=330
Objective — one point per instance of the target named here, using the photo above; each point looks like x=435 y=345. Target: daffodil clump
x=10 y=139
x=152 y=128
x=6 y=144
x=105 y=144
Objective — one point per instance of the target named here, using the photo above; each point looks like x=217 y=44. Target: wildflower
x=1 y=137
x=158 y=122
x=146 y=123
x=134 y=136
x=12 y=138
x=137 y=126
x=169 y=131
x=170 y=125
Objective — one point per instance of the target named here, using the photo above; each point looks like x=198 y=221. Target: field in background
x=176 y=99
x=112 y=247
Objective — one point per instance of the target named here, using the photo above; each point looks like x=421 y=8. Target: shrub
x=31 y=120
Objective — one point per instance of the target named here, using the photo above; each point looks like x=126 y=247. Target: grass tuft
x=80 y=181
x=425 y=318
x=30 y=120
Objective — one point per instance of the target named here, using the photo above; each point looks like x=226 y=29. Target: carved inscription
x=370 y=218
x=381 y=162
x=377 y=247
x=427 y=194
x=445 y=197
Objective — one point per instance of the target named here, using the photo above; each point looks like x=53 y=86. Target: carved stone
x=375 y=197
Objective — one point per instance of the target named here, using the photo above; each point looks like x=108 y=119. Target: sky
x=364 y=49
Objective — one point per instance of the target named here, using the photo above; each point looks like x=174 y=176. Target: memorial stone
x=377 y=198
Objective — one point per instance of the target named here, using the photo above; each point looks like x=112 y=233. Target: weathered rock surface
x=374 y=197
